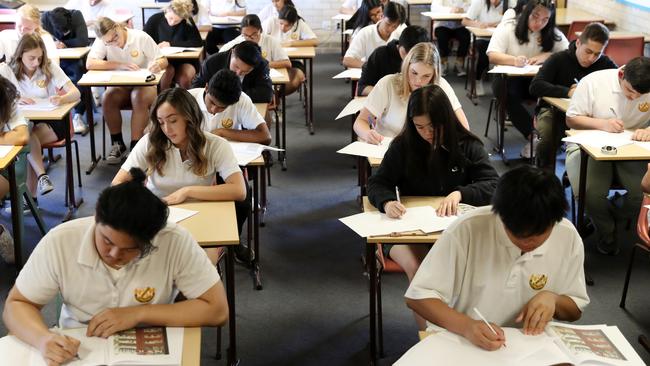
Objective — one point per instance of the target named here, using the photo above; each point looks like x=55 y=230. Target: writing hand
x=394 y=209
x=480 y=335
x=57 y=349
x=164 y=44
x=613 y=125
x=373 y=137
x=521 y=61
x=25 y=101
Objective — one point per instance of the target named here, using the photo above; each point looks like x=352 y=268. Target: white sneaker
x=479 y=88
x=96 y=97
x=460 y=70
x=116 y=155
x=45 y=185
x=79 y=125
x=527 y=152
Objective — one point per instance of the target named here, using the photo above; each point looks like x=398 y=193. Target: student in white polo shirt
x=387 y=103
x=121 y=48
x=28 y=21
x=36 y=77
x=520 y=262
x=527 y=40
x=291 y=29
x=228 y=112
x=375 y=35
x=272 y=10
x=611 y=100
x=223 y=33
x=92 y=10
x=116 y=270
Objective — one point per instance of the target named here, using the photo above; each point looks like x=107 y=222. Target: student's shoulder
x=196 y=92
x=566 y=238
x=599 y=78
x=70 y=231
x=477 y=221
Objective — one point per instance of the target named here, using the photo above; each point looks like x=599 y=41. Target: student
x=291 y=29
x=36 y=77
x=69 y=30
x=528 y=40
x=370 y=12
x=375 y=35
x=386 y=60
x=432 y=156
x=229 y=113
x=92 y=10
x=610 y=100
x=126 y=247
x=520 y=262
x=121 y=48
x=386 y=105
x=445 y=31
x=483 y=14
x=558 y=78
x=174 y=27
x=221 y=34
x=13 y=131
x=201 y=16
x=28 y=21
x=272 y=10
x=246 y=60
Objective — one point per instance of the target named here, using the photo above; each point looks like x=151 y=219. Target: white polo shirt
x=271 y=48
x=222 y=6
x=238 y=116
x=16 y=120
x=504 y=41
x=368 y=39
x=36 y=86
x=178 y=173
x=474 y=264
x=299 y=31
x=90 y=13
x=479 y=11
x=600 y=91
x=202 y=17
x=352 y=4
x=139 y=48
x=443 y=6
x=66 y=261
x=385 y=102
x=9 y=39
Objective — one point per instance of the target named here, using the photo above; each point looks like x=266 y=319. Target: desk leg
x=142 y=16
x=644 y=342
x=310 y=99
x=283 y=143
x=582 y=197
x=502 y=120
x=371 y=262
x=230 y=291
x=255 y=263
x=91 y=126
x=472 y=73
x=73 y=204
x=263 y=194
x=16 y=216
x=342 y=25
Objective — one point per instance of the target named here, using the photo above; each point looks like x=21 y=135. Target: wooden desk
x=73 y=53
x=562 y=104
x=191 y=347
x=229 y=20
x=85 y=86
x=216 y=225
x=186 y=55
x=410 y=3
x=376 y=331
x=565 y=16
x=281 y=82
x=442 y=17
x=307 y=55
x=8 y=162
x=62 y=115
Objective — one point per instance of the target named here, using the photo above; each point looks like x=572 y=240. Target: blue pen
x=372 y=122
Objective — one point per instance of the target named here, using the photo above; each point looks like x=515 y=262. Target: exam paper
x=359 y=148
x=598 y=139
x=166 y=51
x=177 y=214
x=274 y=73
x=4 y=150
x=423 y=218
x=352 y=107
x=352 y=73
x=96 y=77
x=42 y=104
x=504 y=69
x=245 y=152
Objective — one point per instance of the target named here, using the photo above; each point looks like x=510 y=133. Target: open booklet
x=138 y=346
x=42 y=104
x=560 y=344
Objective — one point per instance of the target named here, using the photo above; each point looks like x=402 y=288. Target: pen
x=613 y=112
x=576 y=80
x=397 y=194
x=371 y=122
x=486 y=322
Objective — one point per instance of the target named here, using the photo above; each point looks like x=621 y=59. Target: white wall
x=627 y=18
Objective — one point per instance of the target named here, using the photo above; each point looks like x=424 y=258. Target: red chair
x=622 y=49
x=61 y=144
x=578 y=26
x=643 y=231
x=4 y=26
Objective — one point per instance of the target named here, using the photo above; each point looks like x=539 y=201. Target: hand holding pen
x=395 y=209
x=373 y=137
x=58 y=348
x=613 y=124
x=485 y=335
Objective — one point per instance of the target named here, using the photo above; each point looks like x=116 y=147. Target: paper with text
x=598 y=139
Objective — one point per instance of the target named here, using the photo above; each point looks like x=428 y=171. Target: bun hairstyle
x=133 y=209
x=182 y=8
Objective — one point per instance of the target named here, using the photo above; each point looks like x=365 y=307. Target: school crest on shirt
x=41 y=84
x=264 y=54
x=537 y=281
x=134 y=53
x=226 y=123
x=294 y=36
x=644 y=107
x=144 y=295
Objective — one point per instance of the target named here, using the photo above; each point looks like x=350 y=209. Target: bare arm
x=121 y=177
x=71 y=94
x=499 y=58
x=18 y=136
x=590 y=123
x=282 y=64
x=260 y=134
x=302 y=43
x=352 y=62
x=363 y=130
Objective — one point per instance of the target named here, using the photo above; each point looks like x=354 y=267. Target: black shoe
x=243 y=255
x=268 y=158
x=608 y=248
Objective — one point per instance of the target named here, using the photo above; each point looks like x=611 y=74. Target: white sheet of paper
x=274 y=73
x=504 y=69
x=42 y=104
x=376 y=223
x=226 y=20
x=442 y=14
x=597 y=138
x=345 y=17
x=4 y=150
x=352 y=73
x=61 y=52
x=352 y=107
x=166 y=51
x=177 y=214
x=245 y=152
x=359 y=148
x=97 y=77
x=136 y=74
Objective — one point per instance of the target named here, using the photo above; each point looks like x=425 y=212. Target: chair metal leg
x=76 y=151
x=487 y=125
x=35 y=213
x=627 y=277
x=218 y=354
x=380 y=322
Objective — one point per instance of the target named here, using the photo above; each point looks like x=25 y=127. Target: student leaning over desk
x=221 y=34
x=384 y=112
x=611 y=100
x=519 y=262
x=116 y=270
x=434 y=155
x=28 y=21
x=370 y=12
x=447 y=30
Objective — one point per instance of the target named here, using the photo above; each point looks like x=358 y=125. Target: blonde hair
x=31 y=13
x=182 y=8
x=105 y=25
x=27 y=43
x=424 y=52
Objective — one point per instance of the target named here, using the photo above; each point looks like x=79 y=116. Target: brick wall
x=627 y=18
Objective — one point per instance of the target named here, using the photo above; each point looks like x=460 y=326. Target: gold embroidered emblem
x=644 y=107
x=134 y=53
x=294 y=36
x=226 y=123
x=537 y=282
x=144 y=295
x=264 y=54
x=41 y=84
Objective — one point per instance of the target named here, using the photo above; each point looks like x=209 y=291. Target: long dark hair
x=448 y=132
x=290 y=14
x=361 y=17
x=8 y=96
x=548 y=32
x=503 y=4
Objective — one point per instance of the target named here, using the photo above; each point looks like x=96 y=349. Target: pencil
x=486 y=323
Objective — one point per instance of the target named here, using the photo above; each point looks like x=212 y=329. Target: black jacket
x=476 y=181
x=78 y=32
x=384 y=60
x=557 y=74
x=183 y=34
x=256 y=84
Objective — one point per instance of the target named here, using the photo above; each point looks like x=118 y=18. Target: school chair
x=69 y=180
x=622 y=50
x=643 y=231
x=4 y=26
x=21 y=180
x=578 y=26
x=385 y=265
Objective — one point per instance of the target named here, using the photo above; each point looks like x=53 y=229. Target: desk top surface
x=444 y=16
x=53 y=115
x=191 y=347
x=560 y=103
x=282 y=79
x=418 y=2
x=214 y=225
x=4 y=161
x=186 y=55
x=481 y=32
x=626 y=152
x=119 y=80
x=72 y=53
x=301 y=52
x=414 y=239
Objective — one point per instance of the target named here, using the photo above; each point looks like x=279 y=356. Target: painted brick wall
x=627 y=18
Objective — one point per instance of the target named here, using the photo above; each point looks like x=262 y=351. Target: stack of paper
x=42 y=104
x=598 y=139
x=4 y=150
x=423 y=218
x=166 y=51
x=245 y=152
x=353 y=73
x=275 y=73
x=359 y=148
x=352 y=107
x=514 y=70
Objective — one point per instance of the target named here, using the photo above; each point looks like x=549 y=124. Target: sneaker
x=243 y=255
x=45 y=185
x=443 y=69
x=116 y=155
x=79 y=125
x=460 y=71
x=480 y=91
x=607 y=248
x=96 y=97
x=6 y=246
x=526 y=152
x=26 y=210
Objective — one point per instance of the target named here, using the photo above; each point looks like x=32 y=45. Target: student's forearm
x=352 y=62
x=304 y=43
x=282 y=64
x=71 y=96
x=188 y=313
x=439 y=313
x=260 y=137
x=219 y=192
x=95 y=64
x=460 y=114
x=585 y=123
x=162 y=63
x=566 y=309
x=25 y=322
x=499 y=58
x=18 y=136
x=361 y=127
x=366 y=90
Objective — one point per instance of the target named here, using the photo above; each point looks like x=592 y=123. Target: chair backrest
x=642 y=228
x=578 y=26
x=622 y=49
